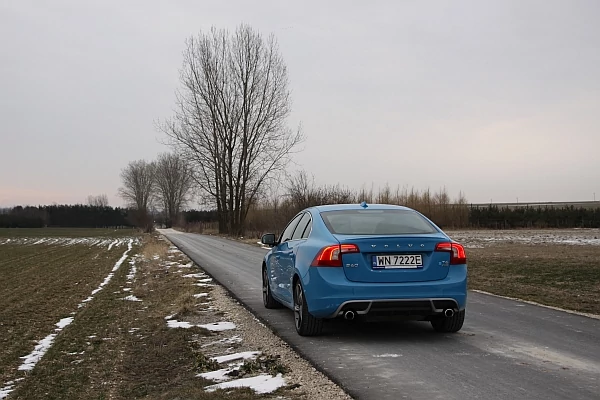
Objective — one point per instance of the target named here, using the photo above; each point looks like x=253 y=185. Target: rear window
x=376 y=222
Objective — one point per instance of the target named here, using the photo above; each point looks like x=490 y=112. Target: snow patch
x=215 y=327
x=261 y=384
x=132 y=271
x=112 y=244
x=387 y=355
x=220 y=375
x=198 y=275
x=173 y=323
x=218 y=326
x=30 y=360
x=244 y=355
x=64 y=322
x=131 y=298
x=201 y=295
x=110 y=275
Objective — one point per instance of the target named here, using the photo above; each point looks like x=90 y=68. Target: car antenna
x=364 y=204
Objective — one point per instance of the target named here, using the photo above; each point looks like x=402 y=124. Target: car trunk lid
x=395 y=258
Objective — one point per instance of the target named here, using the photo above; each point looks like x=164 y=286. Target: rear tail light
x=457 y=252
x=331 y=256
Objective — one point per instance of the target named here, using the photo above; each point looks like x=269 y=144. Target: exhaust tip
x=449 y=312
x=349 y=315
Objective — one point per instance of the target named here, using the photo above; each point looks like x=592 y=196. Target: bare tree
x=230 y=119
x=137 y=189
x=173 y=184
x=98 y=201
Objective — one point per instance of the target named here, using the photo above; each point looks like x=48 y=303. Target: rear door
x=287 y=259
x=280 y=259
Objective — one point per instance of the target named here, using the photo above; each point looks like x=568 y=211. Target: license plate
x=398 y=261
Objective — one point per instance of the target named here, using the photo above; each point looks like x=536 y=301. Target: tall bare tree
x=138 y=184
x=230 y=119
x=173 y=184
x=98 y=201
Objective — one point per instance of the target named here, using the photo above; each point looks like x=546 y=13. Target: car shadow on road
x=386 y=331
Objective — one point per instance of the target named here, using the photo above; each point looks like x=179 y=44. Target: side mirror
x=268 y=239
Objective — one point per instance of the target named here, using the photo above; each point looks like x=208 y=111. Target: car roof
x=340 y=207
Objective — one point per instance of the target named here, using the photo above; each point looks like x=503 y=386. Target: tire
x=268 y=299
x=449 y=324
x=306 y=324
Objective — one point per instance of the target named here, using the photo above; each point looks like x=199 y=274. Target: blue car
x=367 y=260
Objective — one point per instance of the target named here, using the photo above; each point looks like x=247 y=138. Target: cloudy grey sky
x=499 y=99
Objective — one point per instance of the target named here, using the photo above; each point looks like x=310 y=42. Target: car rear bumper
x=329 y=294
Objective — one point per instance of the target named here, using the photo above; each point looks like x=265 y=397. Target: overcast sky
x=498 y=99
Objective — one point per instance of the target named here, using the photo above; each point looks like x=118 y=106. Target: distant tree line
x=494 y=217
x=72 y=216
x=262 y=219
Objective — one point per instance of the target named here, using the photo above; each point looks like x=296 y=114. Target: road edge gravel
x=314 y=369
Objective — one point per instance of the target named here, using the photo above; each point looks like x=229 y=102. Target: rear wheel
x=268 y=299
x=306 y=324
x=449 y=324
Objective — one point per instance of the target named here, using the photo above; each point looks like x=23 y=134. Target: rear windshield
x=376 y=222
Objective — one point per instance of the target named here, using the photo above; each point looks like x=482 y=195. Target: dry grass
x=39 y=286
x=66 y=232
x=558 y=275
x=114 y=348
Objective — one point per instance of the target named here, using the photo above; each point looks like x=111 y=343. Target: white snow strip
x=198 y=275
x=387 y=355
x=204 y=284
x=42 y=347
x=112 y=244
x=104 y=283
x=109 y=276
x=5 y=391
x=200 y=295
x=123 y=257
x=244 y=355
x=206 y=280
x=64 y=322
x=133 y=271
x=220 y=375
x=218 y=326
x=131 y=298
x=127 y=289
x=173 y=323
x=261 y=384
x=169 y=316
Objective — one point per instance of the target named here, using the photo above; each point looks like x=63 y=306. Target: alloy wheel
x=298 y=306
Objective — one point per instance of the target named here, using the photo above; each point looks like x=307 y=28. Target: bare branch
x=230 y=118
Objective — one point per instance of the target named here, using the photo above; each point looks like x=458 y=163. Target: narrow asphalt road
x=506 y=350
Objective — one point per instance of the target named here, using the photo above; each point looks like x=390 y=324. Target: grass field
x=559 y=268
x=65 y=232
x=118 y=345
